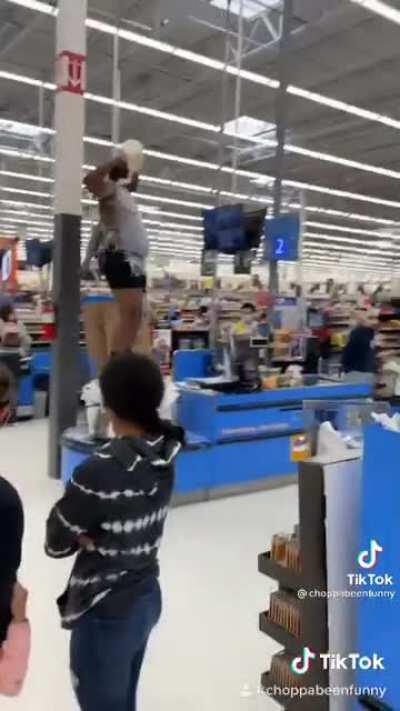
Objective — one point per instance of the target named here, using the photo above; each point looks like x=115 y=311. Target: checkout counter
x=236 y=441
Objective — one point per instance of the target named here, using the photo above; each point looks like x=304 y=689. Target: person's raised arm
x=96 y=180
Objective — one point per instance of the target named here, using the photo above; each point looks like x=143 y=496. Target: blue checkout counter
x=254 y=438
x=235 y=442
x=33 y=373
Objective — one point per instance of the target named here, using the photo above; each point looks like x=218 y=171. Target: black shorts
x=119 y=272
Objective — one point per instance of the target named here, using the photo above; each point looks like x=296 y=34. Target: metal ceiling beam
x=21 y=35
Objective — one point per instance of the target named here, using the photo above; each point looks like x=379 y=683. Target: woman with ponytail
x=112 y=516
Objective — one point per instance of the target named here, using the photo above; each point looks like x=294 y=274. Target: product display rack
x=314 y=629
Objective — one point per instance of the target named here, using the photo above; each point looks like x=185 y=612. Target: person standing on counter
x=121 y=242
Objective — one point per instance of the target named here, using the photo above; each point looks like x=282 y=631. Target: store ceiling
x=340 y=50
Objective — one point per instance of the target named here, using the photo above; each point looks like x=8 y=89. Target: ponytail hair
x=133 y=389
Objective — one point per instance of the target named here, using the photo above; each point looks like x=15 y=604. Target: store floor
x=206 y=654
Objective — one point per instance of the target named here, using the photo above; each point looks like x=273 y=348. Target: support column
x=303 y=222
x=116 y=112
x=238 y=98
x=69 y=155
x=281 y=124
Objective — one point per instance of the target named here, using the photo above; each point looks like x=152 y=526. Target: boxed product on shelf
x=285 y=611
x=285 y=549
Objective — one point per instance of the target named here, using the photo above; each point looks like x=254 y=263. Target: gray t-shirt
x=121 y=221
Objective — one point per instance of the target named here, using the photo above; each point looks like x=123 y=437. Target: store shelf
x=279 y=634
x=285 y=576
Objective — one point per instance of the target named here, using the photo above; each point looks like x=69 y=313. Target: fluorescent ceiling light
x=11 y=76
x=23 y=130
x=21 y=203
x=18 y=220
x=155 y=113
x=26 y=176
x=341 y=193
x=252 y=174
x=315 y=242
x=21 y=191
x=372 y=116
x=380 y=8
x=329 y=158
x=176 y=225
x=340 y=228
x=348 y=256
x=43 y=7
x=253 y=77
x=251 y=8
x=173 y=201
x=296 y=184
x=292 y=205
x=176 y=184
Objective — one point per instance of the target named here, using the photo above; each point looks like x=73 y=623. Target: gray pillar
x=69 y=154
x=281 y=124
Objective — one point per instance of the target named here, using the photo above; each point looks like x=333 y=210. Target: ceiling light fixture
x=297 y=184
x=340 y=228
x=184 y=216
x=302 y=185
x=219 y=65
x=380 y=8
x=298 y=150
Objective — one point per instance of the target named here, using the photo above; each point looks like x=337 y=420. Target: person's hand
x=86 y=543
x=19 y=603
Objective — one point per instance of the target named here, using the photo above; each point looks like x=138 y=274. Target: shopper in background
x=359 y=359
x=113 y=515
x=262 y=297
x=122 y=242
x=324 y=335
x=203 y=319
x=247 y=324
x=14 y=628
x=264 y=327
x=13 y=332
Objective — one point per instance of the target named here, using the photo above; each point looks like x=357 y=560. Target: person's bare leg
x=111 y=316
x=130 y=305
x=96 y=341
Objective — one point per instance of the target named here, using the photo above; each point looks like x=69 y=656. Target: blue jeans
x=107 y=654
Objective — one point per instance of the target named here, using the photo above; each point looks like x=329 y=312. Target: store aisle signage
x=8 y=263
x=6 y=266
x=71 y=72
x=282 y=236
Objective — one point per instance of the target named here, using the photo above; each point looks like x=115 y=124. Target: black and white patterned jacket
x=119 y=498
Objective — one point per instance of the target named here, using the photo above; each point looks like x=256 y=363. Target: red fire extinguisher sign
x=71 y=72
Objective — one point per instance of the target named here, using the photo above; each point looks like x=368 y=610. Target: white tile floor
x=207 y=647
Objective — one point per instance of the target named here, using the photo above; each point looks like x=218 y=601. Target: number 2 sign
x=282 y=238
